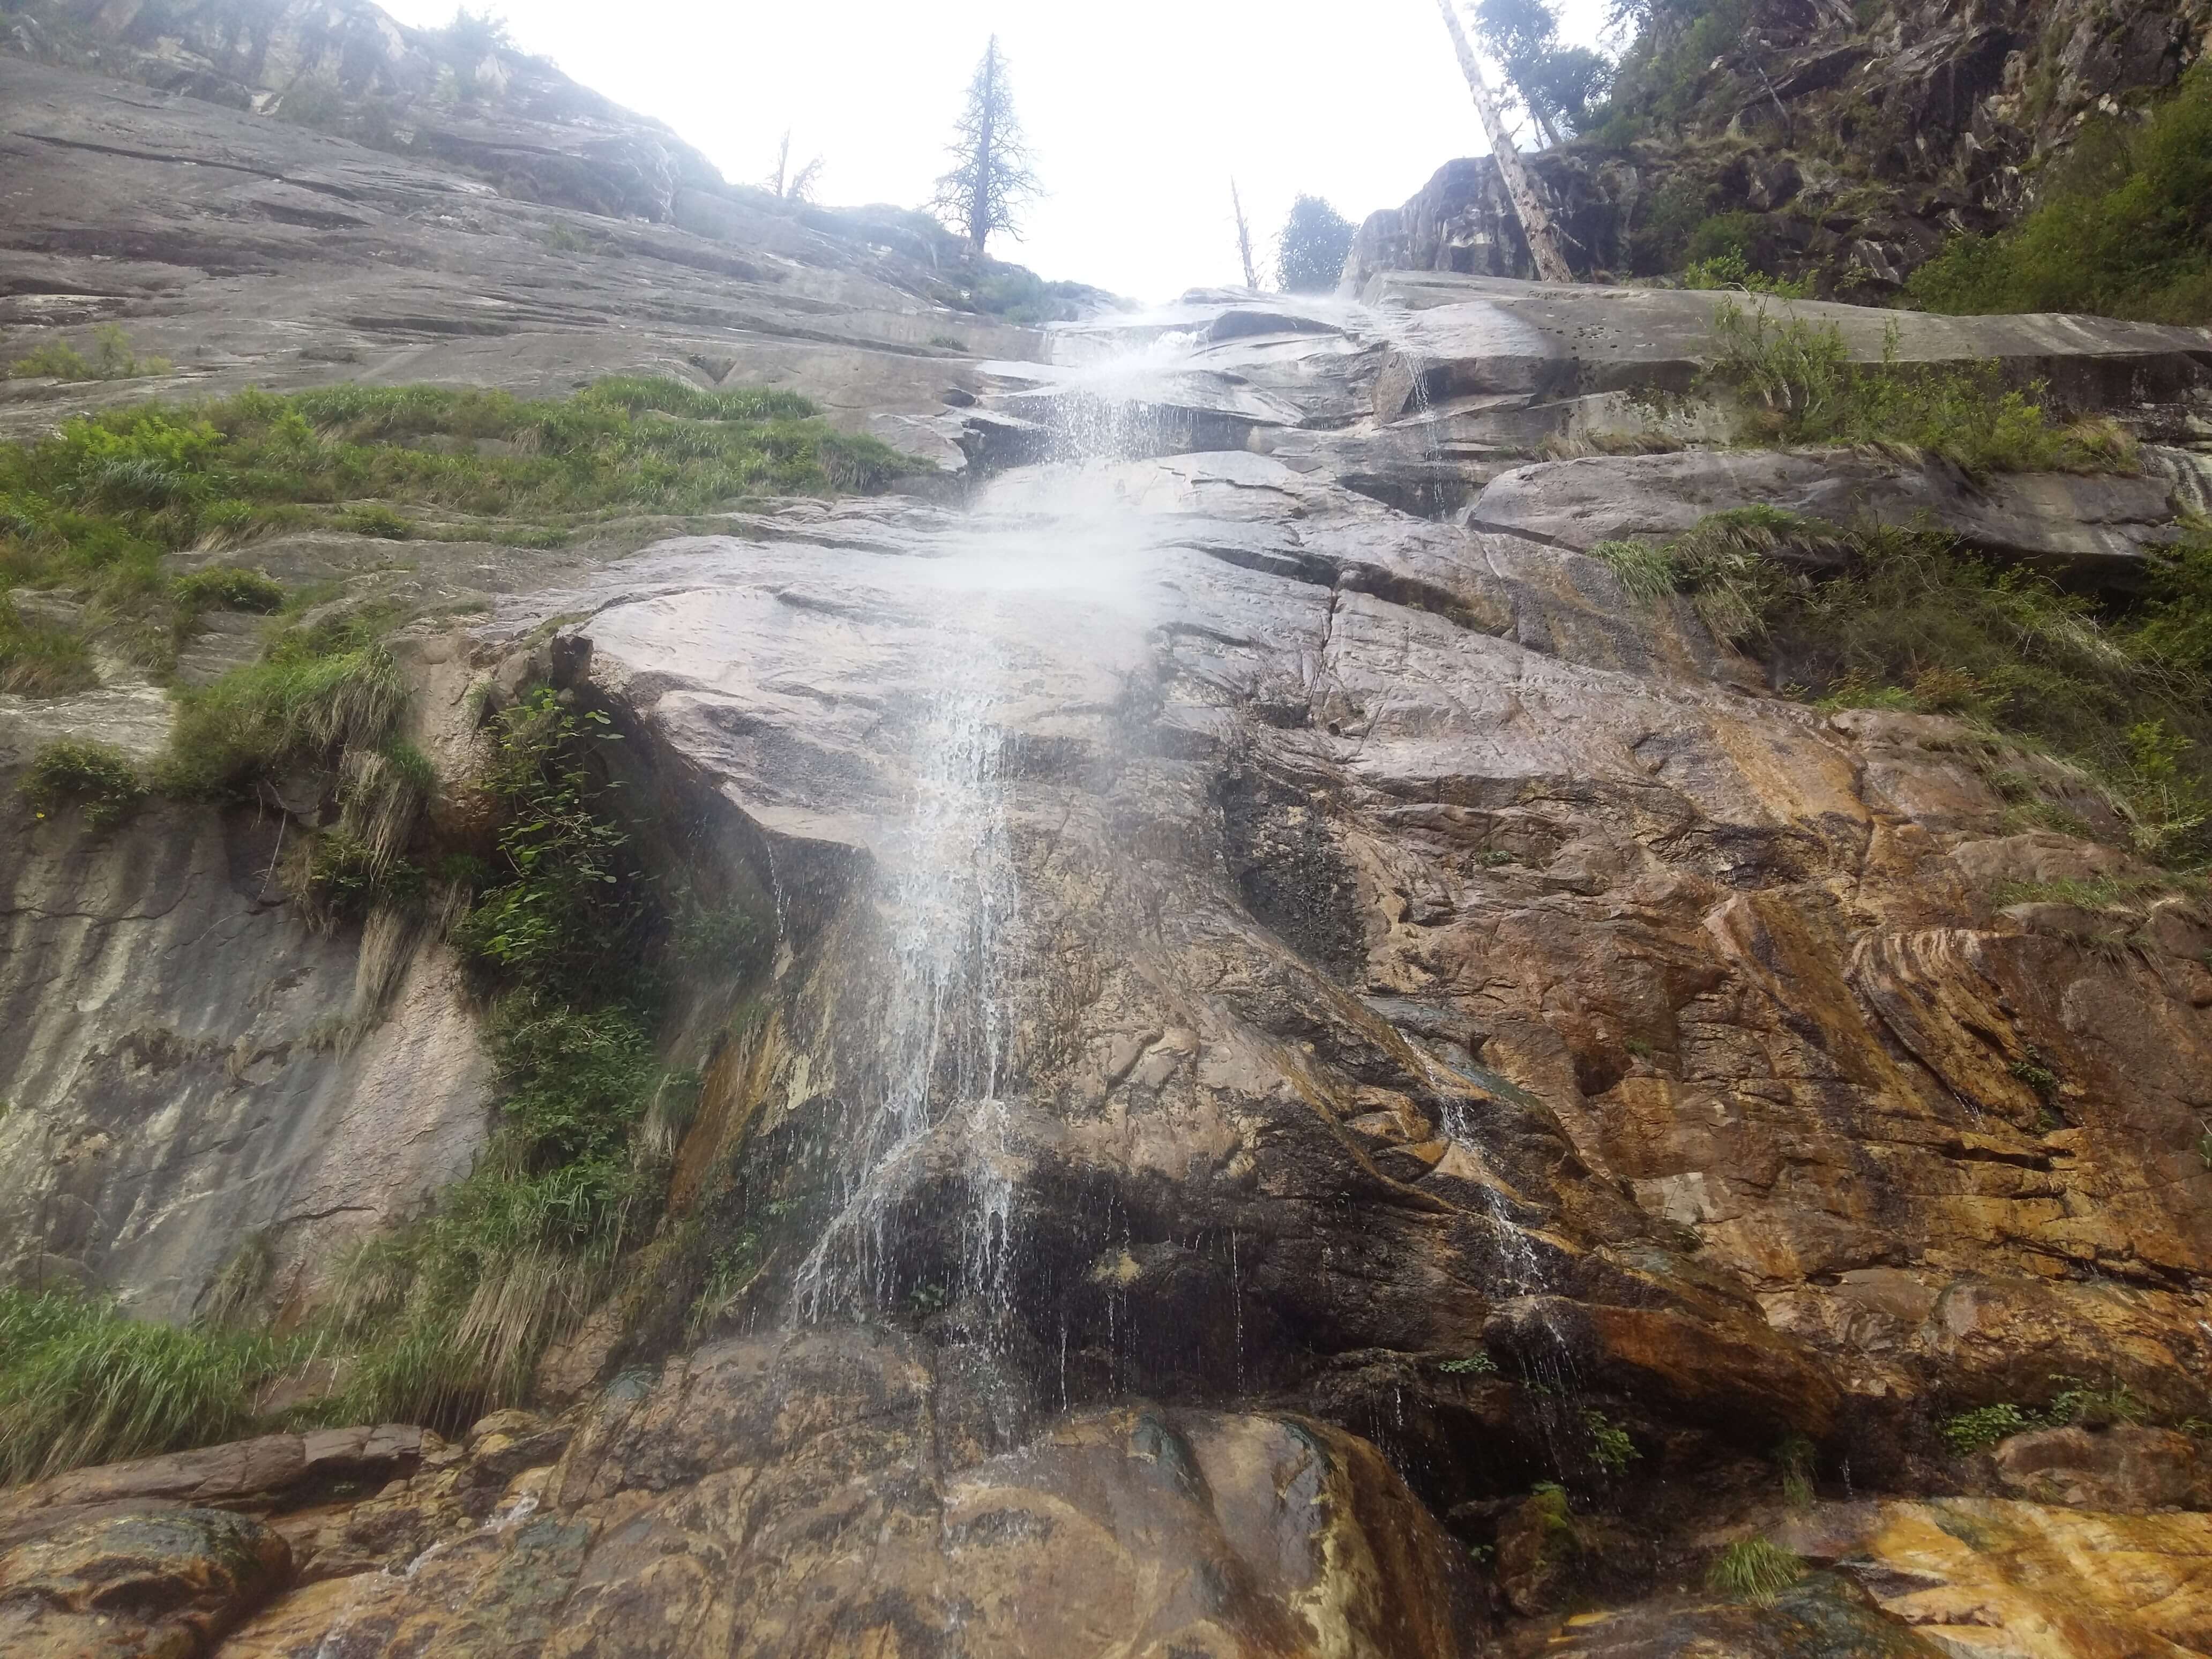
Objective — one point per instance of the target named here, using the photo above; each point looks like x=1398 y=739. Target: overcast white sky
x=1139 y=111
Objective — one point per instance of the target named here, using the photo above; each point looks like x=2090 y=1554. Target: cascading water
x=948 y=896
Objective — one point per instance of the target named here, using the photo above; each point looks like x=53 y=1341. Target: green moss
x=2123 y=230
x=96 y=776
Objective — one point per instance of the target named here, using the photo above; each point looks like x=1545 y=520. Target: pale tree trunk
x=1243 y=238
x=1536 y=220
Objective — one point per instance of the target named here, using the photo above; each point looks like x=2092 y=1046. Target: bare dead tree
x=785 y=186
x=991 y=180
x=1243 y=237
x=1527 y=206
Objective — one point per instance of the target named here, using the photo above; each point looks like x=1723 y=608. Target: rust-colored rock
x=162 y=1585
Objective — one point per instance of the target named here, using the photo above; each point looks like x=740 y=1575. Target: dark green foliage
x=1025 y=299
x=1610 y=1448
x=1668 y=70
x=473 y=36
x=2122 y=229
x=81 y=1382
x=1310 y=250
x=1555 y=83
x=572 y=897
x=1798 y=378
x=96 y=776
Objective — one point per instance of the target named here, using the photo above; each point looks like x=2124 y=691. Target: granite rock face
x=1857 y=141
x=1301 y=1010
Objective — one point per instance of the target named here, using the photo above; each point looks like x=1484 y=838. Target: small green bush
x=1610 y=1448
x=80 y=1383
x=1754 y=1570
x=112 y=359
x=1978 y=1430
x=1473 y=1365
x=96 y=776
x=2124 y=229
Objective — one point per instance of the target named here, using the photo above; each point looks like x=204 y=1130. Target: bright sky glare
x=1138 y=111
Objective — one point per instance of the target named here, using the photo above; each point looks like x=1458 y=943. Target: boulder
x=168 y=1585
x=2121 y=1469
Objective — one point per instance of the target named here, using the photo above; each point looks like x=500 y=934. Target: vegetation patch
x=1754 y=1570
x=97 y=777
x=1910 y=621
x=2072 y=1402
x=82 y=1383
x=97 y=507
x=2123 y=228
x=1798 y=378
x=112 y=359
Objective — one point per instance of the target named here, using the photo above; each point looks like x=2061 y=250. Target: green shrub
x=80 y=1383
x=1611 y=1449
x=1978 y=1430
x=1805 y=389
x=2123 y=230
x=97 y=776
x=112 y=359
x=1473 y=1365
x=1733 y=270
x=1797 y=1458
x=1754 y=1570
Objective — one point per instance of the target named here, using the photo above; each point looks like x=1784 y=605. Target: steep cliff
x=1850 y=143
x=1325 y=993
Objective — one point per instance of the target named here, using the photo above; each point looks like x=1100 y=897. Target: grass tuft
x=1754 y=1570
x=81 y=1382
x=1804 y=389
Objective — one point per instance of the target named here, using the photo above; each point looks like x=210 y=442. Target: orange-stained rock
x=158 y=1585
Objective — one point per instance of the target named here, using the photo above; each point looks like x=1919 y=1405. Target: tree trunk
x=1535 y=221
x=1243 y=238
x=979 y=210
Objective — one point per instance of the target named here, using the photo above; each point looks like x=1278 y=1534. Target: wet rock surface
x=142 y=1586
x=1294 y=1017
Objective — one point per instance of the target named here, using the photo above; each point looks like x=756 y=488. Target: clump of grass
x=227 y=587
x=1754 y=1570
x=2123 y=228
x=38 y=660
x=1799 y=379
x=81 y=1382
x=97 y=777
x=97 y=506
x=1729 y=565
x=112 y=359
x=314 y=696
x=1732 y=270
x=1797 y=1458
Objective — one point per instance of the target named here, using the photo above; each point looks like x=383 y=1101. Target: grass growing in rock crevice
x=1797 y=377
x=1908 y=621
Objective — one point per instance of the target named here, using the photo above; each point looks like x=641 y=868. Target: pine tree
x=1557 y=83
x=1309 y=253
x=991 y=180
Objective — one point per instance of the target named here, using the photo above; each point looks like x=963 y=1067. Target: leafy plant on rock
x=97 y=777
